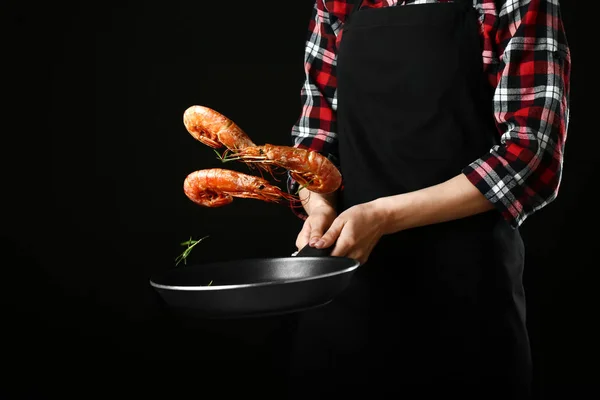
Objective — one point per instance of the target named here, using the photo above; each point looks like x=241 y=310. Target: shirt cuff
x=295 y=205
x=496 y=183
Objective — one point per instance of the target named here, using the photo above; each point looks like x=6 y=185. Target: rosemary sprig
x=224 y=157
x=219 y=155
x=300 y=186
x=190 y=245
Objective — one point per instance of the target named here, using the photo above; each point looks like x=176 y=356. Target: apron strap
x=467 y=4
x=355 y=7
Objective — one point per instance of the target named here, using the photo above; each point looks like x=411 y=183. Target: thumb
x=317 y=227
x=314 y=235
x=329 y=237
x=303 y=237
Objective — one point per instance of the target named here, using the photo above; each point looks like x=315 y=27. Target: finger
x=329 y=237
x=317 y=229
x=344 y=246
x=315 y=235
x=361 y=254
x=361 y=257
x=304 y=236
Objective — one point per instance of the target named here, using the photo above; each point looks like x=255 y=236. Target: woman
x=448 y=122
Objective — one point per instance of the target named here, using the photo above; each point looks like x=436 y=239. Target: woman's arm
x=316 y=129
x=453 y=199
x=531 y=107
x=517 y=177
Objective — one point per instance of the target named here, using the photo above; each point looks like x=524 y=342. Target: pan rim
x=354 y=266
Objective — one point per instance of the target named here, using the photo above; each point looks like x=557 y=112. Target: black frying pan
x=256 y=287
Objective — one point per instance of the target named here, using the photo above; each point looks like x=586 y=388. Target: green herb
x=190 y=245
x=300 y=187
x=219 y=155
x=225 y=157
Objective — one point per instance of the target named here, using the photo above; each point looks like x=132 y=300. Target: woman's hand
x=357 y=231
x=321 y=212
x=317 y=223
x=359 y=228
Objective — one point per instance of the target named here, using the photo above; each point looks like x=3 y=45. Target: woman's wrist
x=312 y=201
x=453 y=199
x=392 y=211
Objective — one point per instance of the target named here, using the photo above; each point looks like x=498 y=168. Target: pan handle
x=308 y=251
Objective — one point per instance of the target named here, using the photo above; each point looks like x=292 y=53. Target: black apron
x=438 y=309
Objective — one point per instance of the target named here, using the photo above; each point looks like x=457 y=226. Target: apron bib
x=438 y=309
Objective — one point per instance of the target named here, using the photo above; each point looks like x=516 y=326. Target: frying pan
x=256 y=287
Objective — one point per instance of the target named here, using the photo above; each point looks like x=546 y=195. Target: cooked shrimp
x=217 y=187
x=309 y=168
x=214 y=129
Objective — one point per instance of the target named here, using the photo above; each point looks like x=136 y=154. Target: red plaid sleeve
x=316 y=129
x=531 y=106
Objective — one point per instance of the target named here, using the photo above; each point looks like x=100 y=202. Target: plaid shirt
x=527 y=61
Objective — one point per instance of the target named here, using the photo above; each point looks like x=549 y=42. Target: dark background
x=94 y=155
